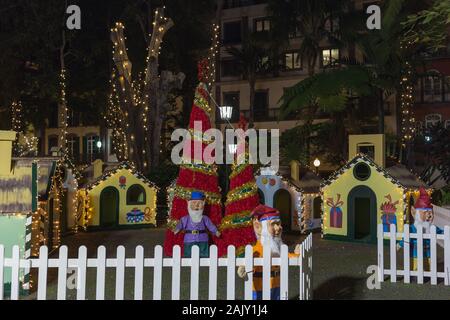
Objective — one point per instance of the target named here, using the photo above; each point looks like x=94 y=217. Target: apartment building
x=86 y=140
x=236 y=18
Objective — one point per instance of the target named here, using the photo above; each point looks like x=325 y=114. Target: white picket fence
x=434 y=272
x=158 y=262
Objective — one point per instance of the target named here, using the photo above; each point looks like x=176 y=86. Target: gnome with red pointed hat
x=267 y=227
x=423 y=219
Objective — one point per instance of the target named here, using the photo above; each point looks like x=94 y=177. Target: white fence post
x=15 y=272
x=419 y=242
x=393 y=251
x=176 y=269
x=300 y=275
x=2 y=265
x=380 y=251
x=284 y=273
x=42 y=277
x=231 y=272
x=249 y=270
x=433 y=260
x=446 y=255
x=82 y=264
x=157 y=272
x=266 y=269
x=195 y=269
x=101 y=273
x=212 y=290
x=406 y=254
x=62 y=273
x=120 y=272
x=138 y=272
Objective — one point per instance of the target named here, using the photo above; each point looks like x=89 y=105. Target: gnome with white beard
x=195 y=226
x=267 y=226
x=423 y=219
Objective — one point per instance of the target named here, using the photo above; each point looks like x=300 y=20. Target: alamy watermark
x=249 y=146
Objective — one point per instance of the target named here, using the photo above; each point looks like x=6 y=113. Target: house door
x=362 y=214
x=282 y=202
x=109 y=207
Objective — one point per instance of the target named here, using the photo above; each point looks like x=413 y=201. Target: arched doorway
x=261 y=196
x=362 y=214
x=109 y=207
x=282 y=201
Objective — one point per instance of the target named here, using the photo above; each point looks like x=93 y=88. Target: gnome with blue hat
x=195 y=226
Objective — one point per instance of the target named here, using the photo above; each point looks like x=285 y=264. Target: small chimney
x=6 y=141
x=295 y=170
x=98 y=168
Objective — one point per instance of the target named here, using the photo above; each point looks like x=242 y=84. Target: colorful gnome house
x=363 y=193
x=120 y=197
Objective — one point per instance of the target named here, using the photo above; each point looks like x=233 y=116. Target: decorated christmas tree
x=194 y=176
x=242 y=198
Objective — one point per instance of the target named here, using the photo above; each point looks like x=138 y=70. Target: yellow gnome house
x=121 y=197
x=363 y=193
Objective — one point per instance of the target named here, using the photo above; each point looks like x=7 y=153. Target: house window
x=330 y=57
x=432 y=89
x=52 y=142
x=261 y=104
x=229 y=68
x=136 y=195
x=292 y=61
x=361 y=171
x=262 y=24
x=232 y=32
x=432 y=120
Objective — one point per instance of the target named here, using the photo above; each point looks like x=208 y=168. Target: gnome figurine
x=195 y=226
x=423 y=218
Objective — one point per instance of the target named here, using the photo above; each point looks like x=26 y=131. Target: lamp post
x=317 y=165
x=226 y=113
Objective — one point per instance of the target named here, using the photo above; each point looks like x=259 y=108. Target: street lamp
x=226 y=112
x=317 y=165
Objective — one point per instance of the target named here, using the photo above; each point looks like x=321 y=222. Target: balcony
x=229 y=4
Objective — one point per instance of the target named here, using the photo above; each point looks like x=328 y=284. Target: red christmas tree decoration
x=242 y=198
x=195 y=176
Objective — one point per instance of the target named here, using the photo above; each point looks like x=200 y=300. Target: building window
x=432 y=89
x=432 y=120
x=330 y=57
x=52 y=142
x=332 y=24
x=262 y=25
x=361 y=171
x=292 y=61
x=447 y=88
x=261 y=104
x=136 y=195
x=232 y=32
x=73 y=118
x=73 y=145
x=232 y=99
x=229 y=68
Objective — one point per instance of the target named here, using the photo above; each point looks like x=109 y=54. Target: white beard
x=268 y=240
x=196 y=215
x=418 y=223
